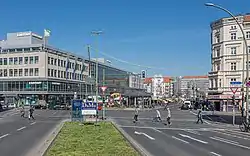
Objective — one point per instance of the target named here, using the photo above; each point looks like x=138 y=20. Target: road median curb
x=142 y=151
x=45 y=144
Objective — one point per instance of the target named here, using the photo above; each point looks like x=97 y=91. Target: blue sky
x=169 y=34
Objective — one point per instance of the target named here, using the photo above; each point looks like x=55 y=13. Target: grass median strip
x=88 y=140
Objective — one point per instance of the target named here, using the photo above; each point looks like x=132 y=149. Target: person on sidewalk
x=31 y=111
x=136 y=114
x=199 y=115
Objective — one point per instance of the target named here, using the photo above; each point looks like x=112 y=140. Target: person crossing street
x=199 y=116
x=31 y=111
x=136 y=114
x=169 y=116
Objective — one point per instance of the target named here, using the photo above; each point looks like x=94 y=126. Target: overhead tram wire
x=138 y=65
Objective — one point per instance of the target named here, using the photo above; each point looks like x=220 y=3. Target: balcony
x=215 y=90
x=213 y=73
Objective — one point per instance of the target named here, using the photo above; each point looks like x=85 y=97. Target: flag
x=83 y=67
x=67 y=67
x=46 y=33
x=74 y=76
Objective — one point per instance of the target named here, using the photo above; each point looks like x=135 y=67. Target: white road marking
x=5 y=135
x=54 y=113
x=245 y=134
x=19 y=129
x=186 y=136
x=242 y=146
x=33 y=123
x=226 y=140
x=169 y=128
x=193 y=132
x=180 y=139
x=141 y=133
x=203 y=119
x=215 y=153
x=232 y=135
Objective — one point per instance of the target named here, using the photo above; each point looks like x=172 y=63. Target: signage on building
x=55 y=83
x=35 y=82
x=22 y=34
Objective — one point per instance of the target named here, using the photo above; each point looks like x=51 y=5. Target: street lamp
x=96 y=33
x=247 y=68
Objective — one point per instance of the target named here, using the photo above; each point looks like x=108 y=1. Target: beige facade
x=228 y=57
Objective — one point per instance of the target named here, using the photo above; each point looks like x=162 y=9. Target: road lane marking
x=33 y=123
x=54 y=113
x=19 y=129
x=215 y=153
x=242 y=146
x=226 y=140
x=3 y=136
x=186 y=136
x=141 y=133
x=193 y=132
x=180 y=139
x=232 y=135
x=245 y=134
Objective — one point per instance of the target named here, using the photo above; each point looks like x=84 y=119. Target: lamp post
x=96 y=33
x=246 y=52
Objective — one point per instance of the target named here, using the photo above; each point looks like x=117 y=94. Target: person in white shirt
x=169 y=116
x=158 y=115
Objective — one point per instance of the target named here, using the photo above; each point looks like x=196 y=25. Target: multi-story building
x=160 y=86
x=191 y=86
x=34 y=72
x=227 y=58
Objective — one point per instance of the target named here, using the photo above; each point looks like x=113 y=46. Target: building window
x=220 y=83
x=59 y=73
x=48 y=60
x=31 y=60
x=233 y=79
x=233 y=27
x=36 y=59
x=20 y=72
x=218 y=38
x=5 y=72
x=218 y=67
x=55 y=71
x=249 y=49
x=51 y=61
x=15 y=73
x=5 y=62
x=10 y=72
x=36 y=72
x=1 y=61
x=31 y=72
x=64 y=74
x=55 y=62
x=248 y=35
x=49 y=72
x=26 y=72
x=1 y=72
x=20 y=60
x=233 y=36
x=233 y=50
x=10 y=61
x=15 y=60
x=26 y=60
x=62 y=63
x=218 y=52
x=233 y=66
x=59 y=61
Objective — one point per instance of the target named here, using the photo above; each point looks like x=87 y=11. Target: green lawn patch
x=89 y=140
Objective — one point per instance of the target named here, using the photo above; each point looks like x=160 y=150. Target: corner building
x=34 y=73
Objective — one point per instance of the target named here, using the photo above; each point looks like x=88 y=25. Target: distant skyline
x=174 y=35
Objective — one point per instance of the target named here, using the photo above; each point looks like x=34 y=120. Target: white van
x=188 y=104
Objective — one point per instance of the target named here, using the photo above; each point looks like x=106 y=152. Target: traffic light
x=143 y=74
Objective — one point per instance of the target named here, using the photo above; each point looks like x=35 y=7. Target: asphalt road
x=184 y=137
x=19 y=135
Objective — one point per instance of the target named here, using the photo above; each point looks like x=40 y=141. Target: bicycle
x=245 y=127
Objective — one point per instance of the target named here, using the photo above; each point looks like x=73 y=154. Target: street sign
x=235 y=85
x=89 y=108
x=104 y=88
x=76 y=114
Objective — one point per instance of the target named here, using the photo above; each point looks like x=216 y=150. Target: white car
x=12 y=105
x=188 y=104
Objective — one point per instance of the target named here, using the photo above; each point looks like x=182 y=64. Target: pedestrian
x=136 y=114
x=158 y=115
x=22 y=112
x=169 y=116
x=31 y=111
x=199 y=115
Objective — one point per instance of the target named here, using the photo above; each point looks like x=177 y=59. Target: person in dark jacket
x=136 y=114
x=199 y=115
x=31 y=111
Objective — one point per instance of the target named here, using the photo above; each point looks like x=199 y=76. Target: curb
x=142 y=151
x=47 y=141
